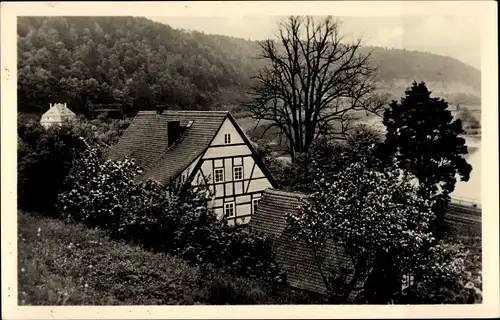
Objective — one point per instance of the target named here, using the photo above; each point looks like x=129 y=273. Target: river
x=472 y=188
x=467 y=190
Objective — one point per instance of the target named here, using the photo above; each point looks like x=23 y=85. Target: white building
x=198 y=147
x=56 y=114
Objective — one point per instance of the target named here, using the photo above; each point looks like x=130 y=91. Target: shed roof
x=294 y=257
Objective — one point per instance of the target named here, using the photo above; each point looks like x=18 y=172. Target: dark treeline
x=126 y=60
x=139 y=63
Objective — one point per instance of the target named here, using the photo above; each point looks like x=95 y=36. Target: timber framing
x=192 y=158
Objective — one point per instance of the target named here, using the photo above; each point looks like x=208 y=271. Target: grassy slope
x=72 y=265
x=61 y=264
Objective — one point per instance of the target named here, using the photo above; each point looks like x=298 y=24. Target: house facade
x=56 y=115
x=179 y=148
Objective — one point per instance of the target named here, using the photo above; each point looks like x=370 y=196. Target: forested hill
x=140 y=63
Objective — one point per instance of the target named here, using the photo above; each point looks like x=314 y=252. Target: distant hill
x=140 y=63
x=446 y=77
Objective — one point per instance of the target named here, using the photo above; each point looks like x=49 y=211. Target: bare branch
x=314 y=79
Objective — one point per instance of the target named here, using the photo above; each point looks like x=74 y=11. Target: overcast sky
x=455 y=36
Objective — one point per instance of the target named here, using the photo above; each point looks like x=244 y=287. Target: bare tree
x=314 y=82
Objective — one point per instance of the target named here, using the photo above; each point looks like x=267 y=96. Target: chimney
x=174 y=131
x=160 y=108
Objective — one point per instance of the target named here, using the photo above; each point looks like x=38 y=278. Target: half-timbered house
x=176 y=148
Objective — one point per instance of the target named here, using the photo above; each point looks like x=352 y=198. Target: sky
x=455 y=36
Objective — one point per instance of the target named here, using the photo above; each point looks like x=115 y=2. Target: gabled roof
x=293 y=256
x=146 y=141
x=58 y=112
x=193 y=142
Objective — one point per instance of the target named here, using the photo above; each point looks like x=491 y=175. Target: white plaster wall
x=227 y=127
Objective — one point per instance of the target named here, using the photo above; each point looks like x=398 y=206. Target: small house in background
x=177 y=148
x=57 y=114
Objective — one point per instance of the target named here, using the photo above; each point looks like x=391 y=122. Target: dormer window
x=227 y=138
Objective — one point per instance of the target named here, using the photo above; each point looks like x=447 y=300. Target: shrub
x=445 y=278
x=231 y=250
x=104 y=193
x=45 y=157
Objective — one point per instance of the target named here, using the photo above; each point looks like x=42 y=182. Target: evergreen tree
x=423 y=139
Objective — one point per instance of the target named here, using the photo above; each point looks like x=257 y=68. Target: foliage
x=313 y=82
x=374 y=217
x=277 y=167
x=332 y=157
x=69 y=264
x=445 y=278
x=103 y=193
x=398 y=65
x=139 y=63
x=44 y=158
x=131 y=61
x=468 y=119
x=424 y=139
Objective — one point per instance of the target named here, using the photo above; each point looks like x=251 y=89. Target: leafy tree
x=332 y=157
x=424 y=140
x=313 y=82
x=375 y=218
x=445 y=278
x=469 y=120
x=44 y=158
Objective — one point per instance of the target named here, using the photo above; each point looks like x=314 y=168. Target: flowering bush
x=445 y=278
x=104 y=193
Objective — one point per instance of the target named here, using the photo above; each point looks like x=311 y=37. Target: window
x=229 y=209
x=227 y=138
x=219 y=175
x=255 y=204
x=238 y=173
x=408 y=280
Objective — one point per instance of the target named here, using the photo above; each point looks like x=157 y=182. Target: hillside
x=140 y=63
x=65 y=264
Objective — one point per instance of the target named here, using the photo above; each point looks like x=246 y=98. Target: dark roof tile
x=294 y=257
x=146 y=140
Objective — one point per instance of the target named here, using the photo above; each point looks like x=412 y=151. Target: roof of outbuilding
x=294 y=257
x=146 y=141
